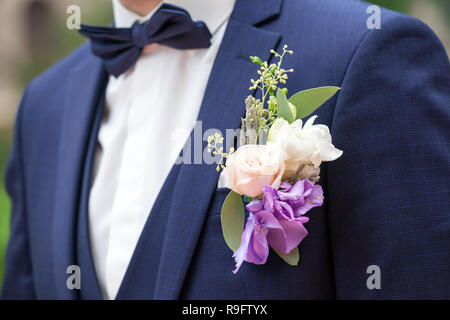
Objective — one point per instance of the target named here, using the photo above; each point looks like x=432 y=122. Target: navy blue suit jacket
x=387 y=197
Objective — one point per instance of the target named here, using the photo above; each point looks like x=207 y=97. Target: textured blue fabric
x=387 y=198
x=170 y=25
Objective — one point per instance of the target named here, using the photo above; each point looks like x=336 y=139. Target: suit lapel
x=85 y=85
x=222 y=108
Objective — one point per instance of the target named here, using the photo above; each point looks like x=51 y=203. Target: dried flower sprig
x=270 y=75
x=260 y=113
x=215 y=147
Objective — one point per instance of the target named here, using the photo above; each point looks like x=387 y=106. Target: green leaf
x=292 y=258
x=232 y=217
x=308 y=101
x=283 y=106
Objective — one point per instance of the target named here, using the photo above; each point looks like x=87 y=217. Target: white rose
x=304 y=145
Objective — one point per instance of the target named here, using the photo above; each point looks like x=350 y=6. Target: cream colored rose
x=305 y=145
x=252 y=167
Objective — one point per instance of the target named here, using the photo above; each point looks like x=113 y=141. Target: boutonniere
x=275 y=170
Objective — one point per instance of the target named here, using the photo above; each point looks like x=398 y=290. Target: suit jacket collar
x=86 y=83
x=256 y=12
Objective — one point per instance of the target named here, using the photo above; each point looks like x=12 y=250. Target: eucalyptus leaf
x=283 y=106
x=292 y=258
x=233 y=218
x=308 y=101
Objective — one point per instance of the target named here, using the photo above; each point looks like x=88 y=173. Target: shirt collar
x=212 y=12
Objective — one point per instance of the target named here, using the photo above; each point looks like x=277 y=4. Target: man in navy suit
x=94 y=185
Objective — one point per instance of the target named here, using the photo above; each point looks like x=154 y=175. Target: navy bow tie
x=170 y=25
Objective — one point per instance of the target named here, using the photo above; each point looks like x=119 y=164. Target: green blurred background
x=42 y=38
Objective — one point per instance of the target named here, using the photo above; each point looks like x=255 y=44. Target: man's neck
x=140 y=7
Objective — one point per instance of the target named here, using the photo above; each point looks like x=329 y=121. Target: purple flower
x=254 y=246
x=293 y=200
x=277 y=221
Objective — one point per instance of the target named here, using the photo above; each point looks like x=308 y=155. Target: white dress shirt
x=150 y=111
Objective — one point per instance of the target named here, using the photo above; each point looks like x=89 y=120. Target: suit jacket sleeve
x=18 y=278
x=388 y=196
